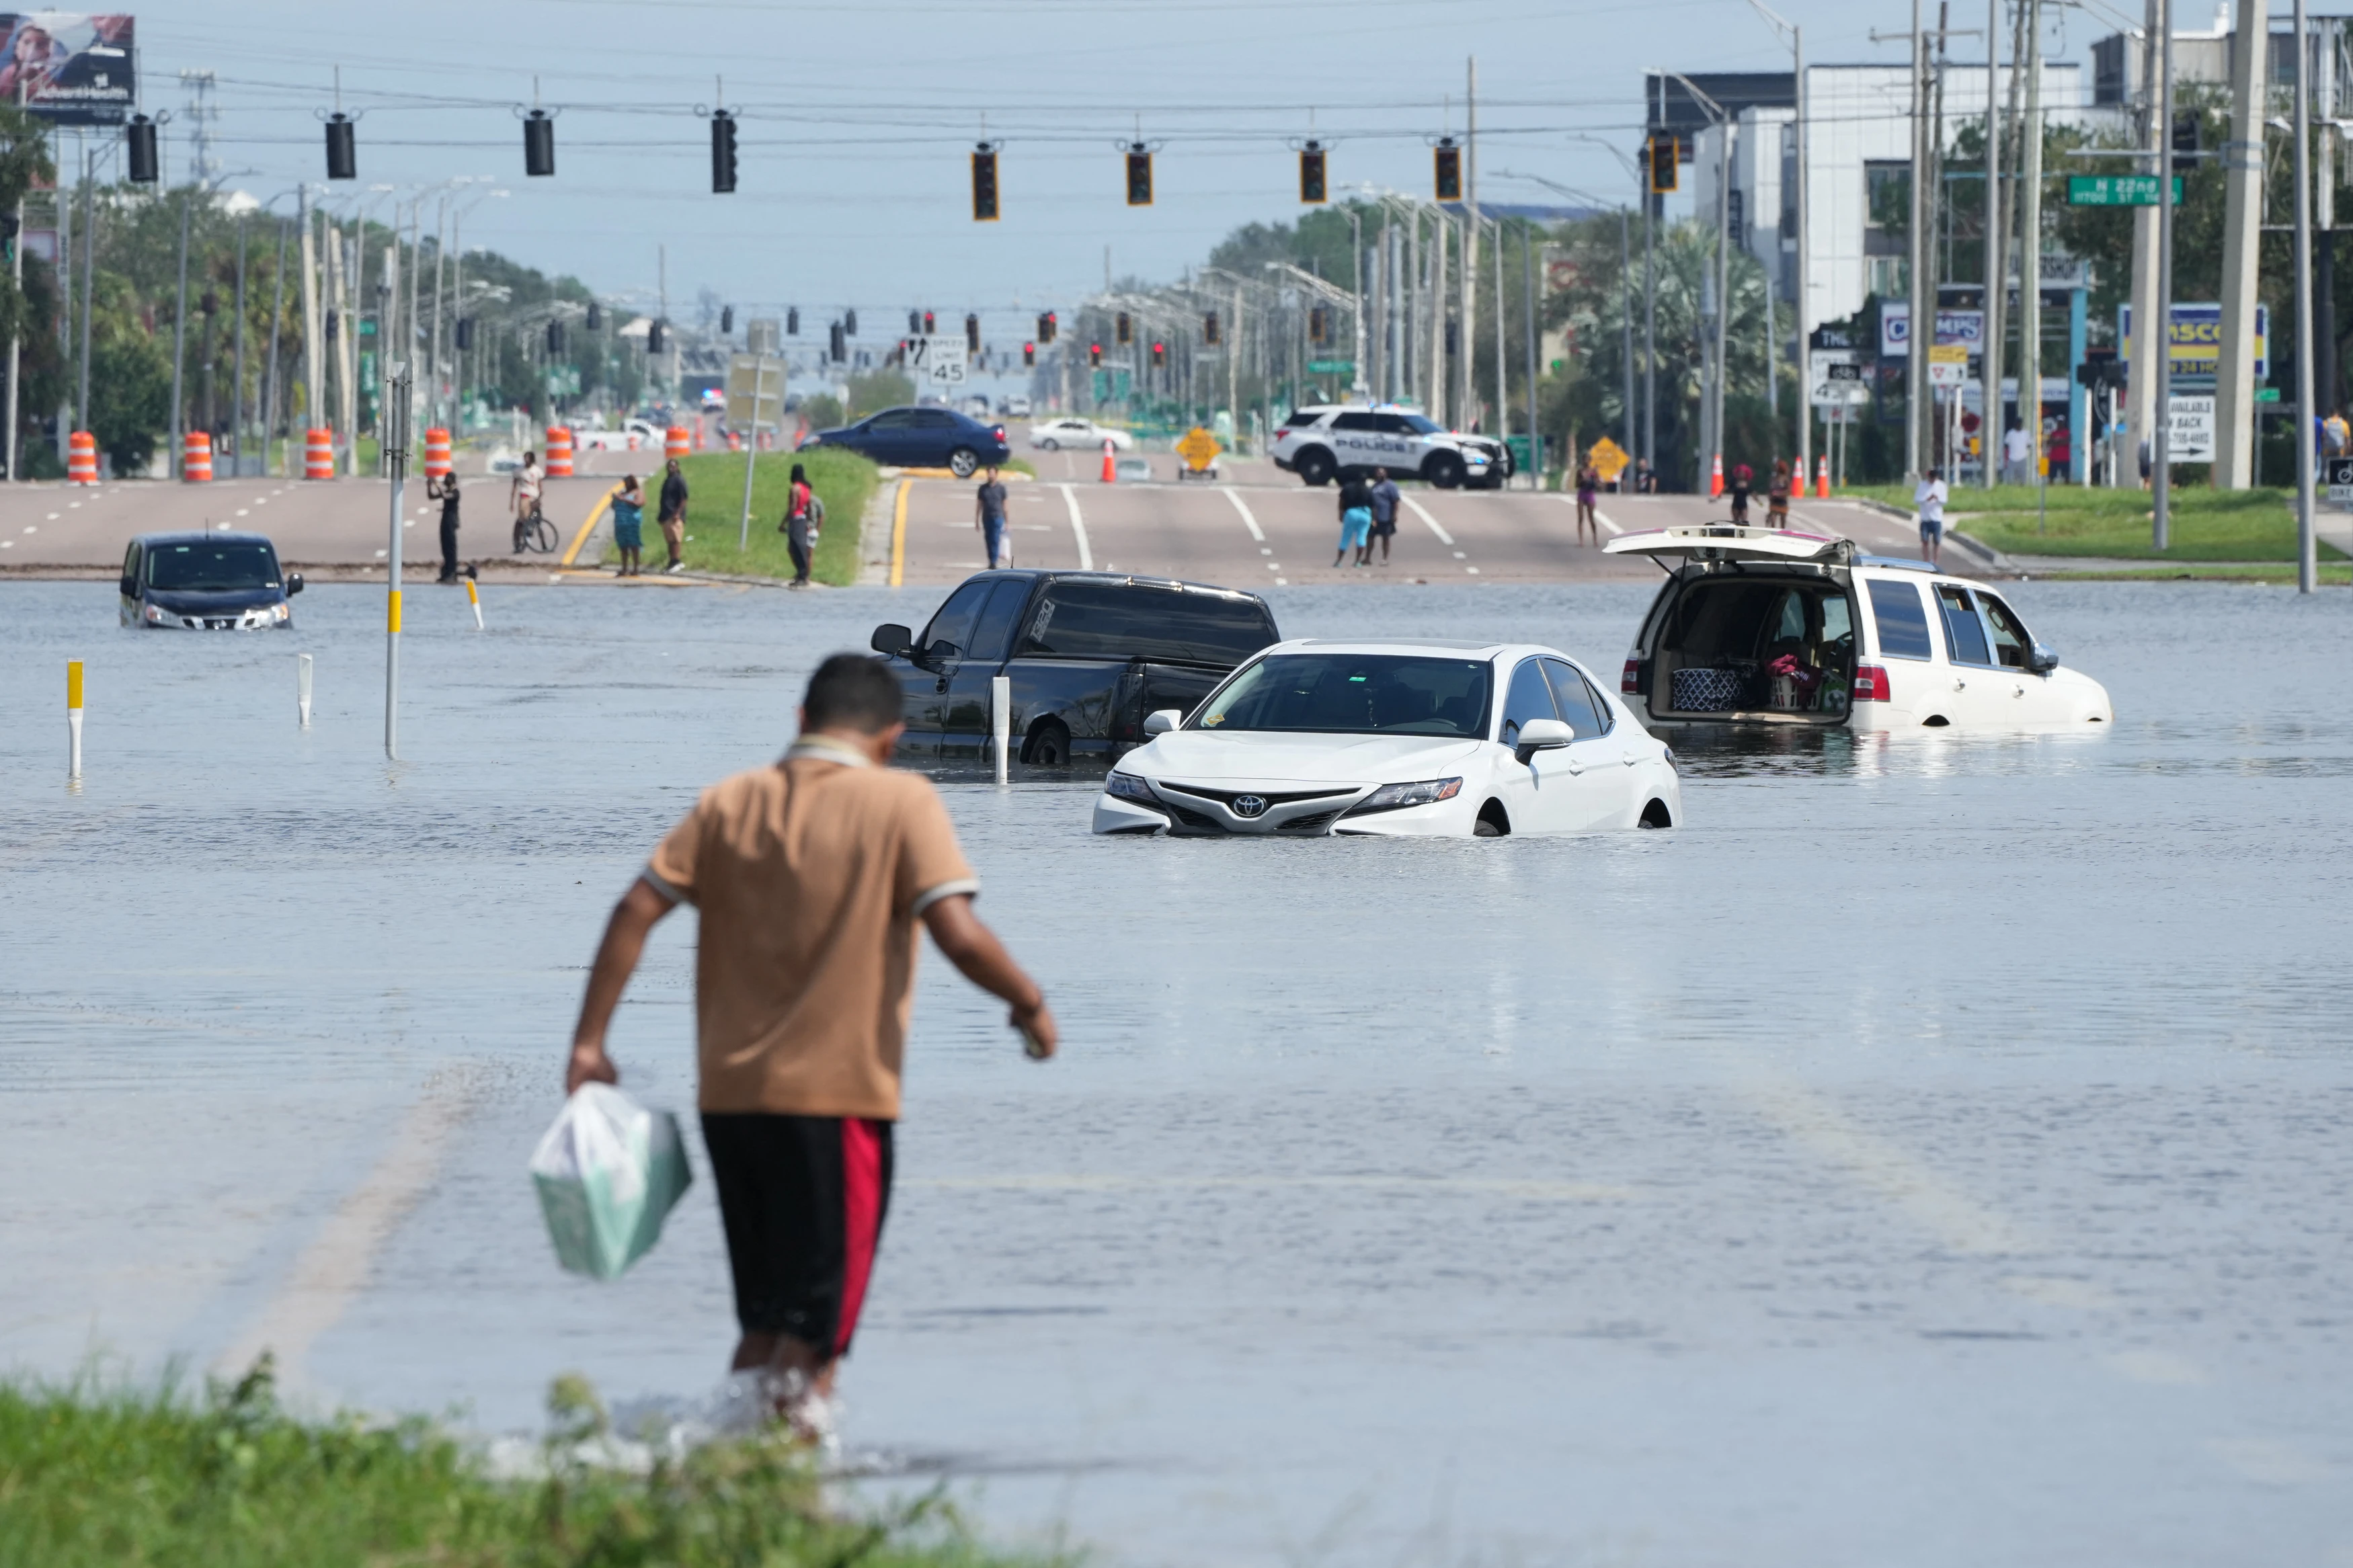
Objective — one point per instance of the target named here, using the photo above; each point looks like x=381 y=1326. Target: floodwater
x=1933 y=1152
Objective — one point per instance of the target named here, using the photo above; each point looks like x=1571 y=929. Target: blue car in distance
x=920 y=438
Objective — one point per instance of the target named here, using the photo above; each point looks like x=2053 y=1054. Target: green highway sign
x=2116 y=190
x=1331 y=367
x=2267 y=394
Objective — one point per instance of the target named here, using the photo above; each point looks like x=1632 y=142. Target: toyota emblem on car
x=1247 y=806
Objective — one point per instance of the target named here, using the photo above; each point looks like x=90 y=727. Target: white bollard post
x=1000 y=718
x=73 y=719
x=303 y=688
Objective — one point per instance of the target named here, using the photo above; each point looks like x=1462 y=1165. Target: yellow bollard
x=73 y=719
x=474 y=599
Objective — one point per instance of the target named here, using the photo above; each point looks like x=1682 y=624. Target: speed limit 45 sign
x=938 y=361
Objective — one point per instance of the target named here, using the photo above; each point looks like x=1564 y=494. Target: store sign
x=1966 y=328
x=2190 y=435
x=2197 y=338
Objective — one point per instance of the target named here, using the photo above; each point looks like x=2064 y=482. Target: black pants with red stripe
x=802 y=1198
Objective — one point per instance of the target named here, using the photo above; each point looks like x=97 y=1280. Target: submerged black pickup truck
x=1089 y=654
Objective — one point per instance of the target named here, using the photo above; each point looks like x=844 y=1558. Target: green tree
x=876 y=389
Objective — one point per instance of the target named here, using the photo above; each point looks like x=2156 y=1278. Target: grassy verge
x=146 y=1480
x=2331 y=573
x=2207 y=524
x=715 y=483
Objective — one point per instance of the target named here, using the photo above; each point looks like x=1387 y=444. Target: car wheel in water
x=1494 y=822
x=1445 y=471
x=1656 y=815
x=962 y=461
x=1048 y=747
x=1315 y=468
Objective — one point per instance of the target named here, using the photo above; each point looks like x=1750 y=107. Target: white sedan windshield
x=1355 y=694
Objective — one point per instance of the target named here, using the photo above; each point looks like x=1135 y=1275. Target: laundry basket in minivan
x=1702 y=690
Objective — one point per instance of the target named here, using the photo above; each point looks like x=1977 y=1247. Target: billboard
x=69 y=70
x=2198 y=339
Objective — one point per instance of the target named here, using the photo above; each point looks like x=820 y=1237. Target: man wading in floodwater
x=810 y=875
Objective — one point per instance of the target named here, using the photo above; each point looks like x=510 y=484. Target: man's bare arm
x=640 y=909
x=973 y=949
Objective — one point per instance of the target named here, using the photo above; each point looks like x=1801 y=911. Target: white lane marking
x=1078 y=528
x=1248 y=520
x=335 y=1267
x=1443 y=537
x=1473 y=570
x=54 y=516
x=7 y=544
x=32 y=528
x=1460 y=556
x=1282 y=581
x=244 y=512
x=1262 y=550
x=1954 y=1217
x=2268 y=1461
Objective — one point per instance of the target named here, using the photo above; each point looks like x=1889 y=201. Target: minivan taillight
x=1630 y=683
x=1871 y=684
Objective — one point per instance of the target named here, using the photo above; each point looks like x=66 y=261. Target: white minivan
x=1760 y=626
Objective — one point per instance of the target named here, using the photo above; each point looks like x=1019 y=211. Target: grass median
x=2206 y=524
x=90 y=1476
x=715 y=509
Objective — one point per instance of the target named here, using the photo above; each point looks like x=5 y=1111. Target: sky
x=857 y=122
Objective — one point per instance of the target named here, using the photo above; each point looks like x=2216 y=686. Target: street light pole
x=1804 y=324
x=2307 y=569
x=2160 y=481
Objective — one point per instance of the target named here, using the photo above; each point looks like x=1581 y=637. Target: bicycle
x=534 y=533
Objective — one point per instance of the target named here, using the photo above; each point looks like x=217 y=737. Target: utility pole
x=15 y=333
x=1651 y=203
x=1804 y=324
x=237 y=390
x=2161 y=480
x=2308 y=570
x=89 y=274
x=270 y=372
x=1502 y=397
x=180 y=345
x=1723 y=281
x=2243 y=216
x=1989 y=425
x=1922 y=321
x=2150 y=336
x=1528 y=290
x=1467 y=399
x=314 y=358
x=2030 y=246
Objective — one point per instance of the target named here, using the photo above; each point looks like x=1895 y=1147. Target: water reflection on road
x=1933 y=1152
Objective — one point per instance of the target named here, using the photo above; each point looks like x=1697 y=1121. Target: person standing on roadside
x=809 y=875
x=445 y=491
x=672 y=516
x=1355 y=521
x=1386 y=500
x=522 y=496
x=801 y=535
x=1928 y=499
x=989 y=516
x=1588 y=501
x=1776 y=495
x=629 y=526
x=1742 y=478
x=2017 y=455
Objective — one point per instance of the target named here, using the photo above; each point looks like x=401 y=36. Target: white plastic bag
x=608 y=1172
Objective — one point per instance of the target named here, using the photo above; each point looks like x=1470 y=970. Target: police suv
x=1324 y=441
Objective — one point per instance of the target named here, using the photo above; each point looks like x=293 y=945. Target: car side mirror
x=129 y=586
x=2041 y=660
x=293 y=583
x=1543 y=735
x=1162 y=720
x=891 y=640
x=940 y=651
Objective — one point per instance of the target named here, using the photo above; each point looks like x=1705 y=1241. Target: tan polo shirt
x=809 y=875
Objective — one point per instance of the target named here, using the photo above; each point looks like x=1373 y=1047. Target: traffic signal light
x=849 y=322
x=1316 y=324
x=838 y=343
x=1139 y=175
x=343 y=147
x=465 y=334
x=1311 y=173
x=2185 y=141
x=1209 y=329
x=972 y=334
x=1047 y=327
x=555 y=337
x=1666 y=160
x=538 y=144
x=1028 y=355
x=929 y=329
x=722 y=151
x=657 y=339
x=144 y=168
x=793 y=321
x=984 y=184
x=1125 y=333
x=1159 y=355
x=1446 y=170
x=726 y=319
x=1094 y=356
x=596 y=316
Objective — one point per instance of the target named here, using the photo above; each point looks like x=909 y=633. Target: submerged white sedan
x=1407 y=738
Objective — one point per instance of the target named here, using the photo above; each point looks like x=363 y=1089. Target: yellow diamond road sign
x=1609 y=459
x=1199 y=448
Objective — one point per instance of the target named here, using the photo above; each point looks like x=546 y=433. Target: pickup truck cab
x=1089 y=654
x=1778 y=626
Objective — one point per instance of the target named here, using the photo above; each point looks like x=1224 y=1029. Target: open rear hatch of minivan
x=1756 y=626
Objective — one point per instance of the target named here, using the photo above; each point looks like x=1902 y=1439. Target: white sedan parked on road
x=1405 y=738
x=1078 y=435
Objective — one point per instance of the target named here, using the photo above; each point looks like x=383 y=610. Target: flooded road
x=1933 y=1152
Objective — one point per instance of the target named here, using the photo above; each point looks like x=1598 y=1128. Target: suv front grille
x=1228 y=796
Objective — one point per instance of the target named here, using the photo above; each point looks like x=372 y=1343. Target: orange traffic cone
x=1822 y=477
x=1111 y=468
x=1715 y=478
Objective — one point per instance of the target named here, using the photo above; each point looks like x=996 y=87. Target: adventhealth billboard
x=69 y=70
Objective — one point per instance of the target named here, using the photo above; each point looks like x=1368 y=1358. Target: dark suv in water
x=920 y=438
x=205 y=581
x=1089 y=654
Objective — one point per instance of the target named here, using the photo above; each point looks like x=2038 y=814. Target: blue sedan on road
x=920 y=438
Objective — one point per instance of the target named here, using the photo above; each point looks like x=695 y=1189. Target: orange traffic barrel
x=197 y=458
x=1715 y=477
x=734 y=442
x=675 y=441
x=318 y=454
x=437 y=454
x=559 y=452
x=81 y=459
